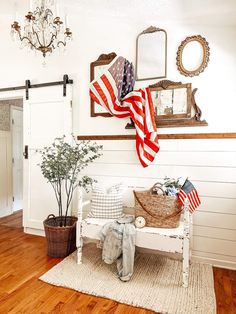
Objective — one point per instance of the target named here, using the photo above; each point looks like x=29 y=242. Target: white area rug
x=155 y=285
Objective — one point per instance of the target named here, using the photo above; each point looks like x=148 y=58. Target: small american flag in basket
x=188 y=191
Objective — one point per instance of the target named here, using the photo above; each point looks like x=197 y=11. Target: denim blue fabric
x=118 y=239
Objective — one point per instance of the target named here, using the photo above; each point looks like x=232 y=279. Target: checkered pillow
x=107 y=204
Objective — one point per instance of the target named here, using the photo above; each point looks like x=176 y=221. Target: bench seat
x=147 y=237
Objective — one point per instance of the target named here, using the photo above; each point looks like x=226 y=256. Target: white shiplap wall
x=210 y=164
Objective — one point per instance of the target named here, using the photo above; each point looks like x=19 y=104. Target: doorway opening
x=11 y=157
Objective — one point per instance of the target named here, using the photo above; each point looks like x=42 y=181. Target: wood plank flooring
x=14 y=220
x=23 y=260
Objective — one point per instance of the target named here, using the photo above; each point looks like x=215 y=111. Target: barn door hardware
x=65 y=82
x=28 y=86
x=26 y=152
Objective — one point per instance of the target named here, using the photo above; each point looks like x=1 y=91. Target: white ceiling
x=190 y=11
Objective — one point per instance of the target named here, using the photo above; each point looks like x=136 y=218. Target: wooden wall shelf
x=174 y=123
x=161 y=136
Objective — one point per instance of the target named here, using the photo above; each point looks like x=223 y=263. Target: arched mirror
x=193 y=55
x=151 y=50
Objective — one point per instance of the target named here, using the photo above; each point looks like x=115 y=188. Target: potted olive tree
x=61 y=165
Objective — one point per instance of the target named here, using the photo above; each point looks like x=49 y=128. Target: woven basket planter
x=61 y=241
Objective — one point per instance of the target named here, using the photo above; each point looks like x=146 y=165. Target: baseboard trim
x=33 y=231
x=214 y=262
x=6 y=212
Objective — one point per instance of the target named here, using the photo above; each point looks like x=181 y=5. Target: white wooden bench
x=174 y=240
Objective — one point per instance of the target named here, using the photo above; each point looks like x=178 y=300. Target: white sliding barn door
x=47 y=115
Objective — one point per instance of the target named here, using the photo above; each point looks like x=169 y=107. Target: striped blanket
x=107 y=91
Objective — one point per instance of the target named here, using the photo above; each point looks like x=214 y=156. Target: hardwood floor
x=23 y=260
x=14 y=220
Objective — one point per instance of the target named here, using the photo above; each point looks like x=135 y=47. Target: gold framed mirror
x=151 y=54
x=193 y=55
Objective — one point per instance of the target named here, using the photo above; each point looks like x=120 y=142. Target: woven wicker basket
x=61 y=241
x=160 y=211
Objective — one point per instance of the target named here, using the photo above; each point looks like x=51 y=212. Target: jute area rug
x=155 y=285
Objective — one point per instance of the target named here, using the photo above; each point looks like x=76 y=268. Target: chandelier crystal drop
x=43 y=30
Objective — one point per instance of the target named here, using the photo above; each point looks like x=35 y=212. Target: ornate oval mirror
x=193 y=55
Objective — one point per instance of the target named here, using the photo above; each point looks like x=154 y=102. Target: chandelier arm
x=43 y=37
x=22 y=38
x=37 y=12
x=61 y=42
x=48 y=12
x=36 y=34
x=51 y=41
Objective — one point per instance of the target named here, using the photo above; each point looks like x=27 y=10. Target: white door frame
x=12 y=107
x=8 y=95
x=5 y=137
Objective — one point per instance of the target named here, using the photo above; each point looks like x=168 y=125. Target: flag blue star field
x=188 y=191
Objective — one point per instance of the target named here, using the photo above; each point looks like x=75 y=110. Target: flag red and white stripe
x=189 y=192
x=136 y=105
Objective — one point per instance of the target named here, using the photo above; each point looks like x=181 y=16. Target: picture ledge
x=160 y=136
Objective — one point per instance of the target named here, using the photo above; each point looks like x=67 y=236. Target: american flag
x=136 y=104
x=188 y=191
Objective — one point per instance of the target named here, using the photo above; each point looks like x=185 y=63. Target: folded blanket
x=113 y=90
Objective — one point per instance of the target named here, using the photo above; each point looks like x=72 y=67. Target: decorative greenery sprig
x=172 y=183
x=170 y=186
x=61 y=165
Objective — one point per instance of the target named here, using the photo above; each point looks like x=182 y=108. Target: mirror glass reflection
x=170 y=101
x=151 y=54
x=192 y=56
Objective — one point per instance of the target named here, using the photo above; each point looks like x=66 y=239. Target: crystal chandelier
x=43 y=31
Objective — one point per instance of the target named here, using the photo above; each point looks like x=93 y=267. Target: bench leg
x=79 y=243
x=185 y=261
x=79 y=252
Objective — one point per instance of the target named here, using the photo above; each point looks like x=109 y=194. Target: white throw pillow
x=107 y=203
